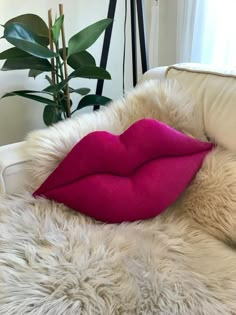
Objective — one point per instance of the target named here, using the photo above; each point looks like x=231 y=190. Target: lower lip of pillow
x=143 y=195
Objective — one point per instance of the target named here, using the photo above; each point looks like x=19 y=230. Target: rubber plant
x=36 y=47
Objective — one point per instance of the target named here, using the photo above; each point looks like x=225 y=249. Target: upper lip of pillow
x=101 y=152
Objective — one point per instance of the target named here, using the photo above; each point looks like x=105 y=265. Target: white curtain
x=186 y=14
x=217 y=29
x=153 y=35
x=201 y=31
x=206 y=31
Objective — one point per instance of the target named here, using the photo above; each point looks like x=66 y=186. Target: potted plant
x=36 y=47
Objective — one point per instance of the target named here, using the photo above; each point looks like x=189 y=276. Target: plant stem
x=51 y=43
x=52 y=49
x=56 y=77
x=68 y=111
x=59 y=65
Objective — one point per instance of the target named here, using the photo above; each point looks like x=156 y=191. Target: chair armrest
x=13 y=164
x=155 y=73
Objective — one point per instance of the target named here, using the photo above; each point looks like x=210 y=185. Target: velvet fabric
x=127 y=177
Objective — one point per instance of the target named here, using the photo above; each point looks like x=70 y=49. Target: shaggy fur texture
x=56 y=261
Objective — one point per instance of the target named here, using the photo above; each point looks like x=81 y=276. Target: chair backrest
x=214 y=93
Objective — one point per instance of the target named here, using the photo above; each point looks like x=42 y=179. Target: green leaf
x=93 y=99
x=56 y=28
x=13 y=53
x=88 y=72
x=21 y=37
x=85 y=38
x=55 y=88
x=81 y=59
x=50 y=115
x=91 y=72
x=26 y=94
x=27 y=91
x=81 y=91
x=34 y=73
x=27 y=63
x=35 y=24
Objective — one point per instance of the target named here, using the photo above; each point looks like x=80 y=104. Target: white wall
x=17 y=115
x=167 y=32
x=161 y=27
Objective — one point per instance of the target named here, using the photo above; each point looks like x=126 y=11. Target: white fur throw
x=56 y=261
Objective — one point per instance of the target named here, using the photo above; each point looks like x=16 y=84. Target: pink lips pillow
x=130 y=177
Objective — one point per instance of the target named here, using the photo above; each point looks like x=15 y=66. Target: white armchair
x=214 y=93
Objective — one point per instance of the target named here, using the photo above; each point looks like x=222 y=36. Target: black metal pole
x=142 y=35
x=133 y=40
x=106 y=46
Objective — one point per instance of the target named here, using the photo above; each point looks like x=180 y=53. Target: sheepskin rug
x=54 y=260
